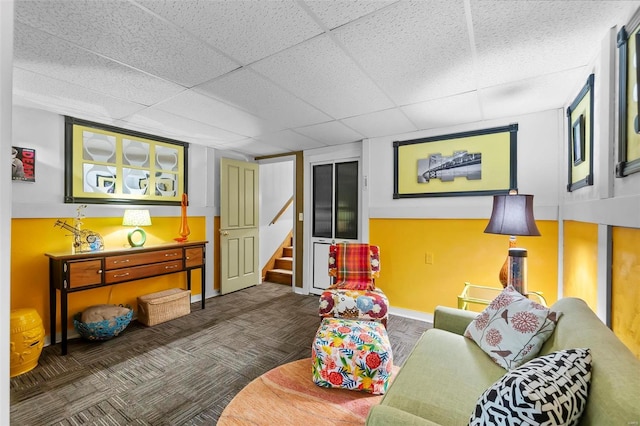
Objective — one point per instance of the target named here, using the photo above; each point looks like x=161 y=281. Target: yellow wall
x=580 y=262
x=461 y=251
x=625 y=287
x=32 y=238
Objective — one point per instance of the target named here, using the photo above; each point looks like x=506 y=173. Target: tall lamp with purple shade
x=512 y=215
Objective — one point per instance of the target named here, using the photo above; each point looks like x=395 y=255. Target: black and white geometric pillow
x=549 y=390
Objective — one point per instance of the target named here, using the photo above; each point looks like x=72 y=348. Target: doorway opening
x=277 y=221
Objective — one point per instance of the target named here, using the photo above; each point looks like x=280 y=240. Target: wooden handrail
x=282 y=210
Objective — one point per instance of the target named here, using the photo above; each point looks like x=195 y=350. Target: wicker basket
x=163 y=306
x=102 y=330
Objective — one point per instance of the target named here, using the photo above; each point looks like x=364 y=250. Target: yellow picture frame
x=580 y=138
x=628 y=102
x=480 y=162
x=107 y=164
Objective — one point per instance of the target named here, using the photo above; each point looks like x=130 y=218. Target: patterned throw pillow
x=512 y=329
x=549 y=390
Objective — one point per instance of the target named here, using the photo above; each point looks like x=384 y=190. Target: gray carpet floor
x=182 y=372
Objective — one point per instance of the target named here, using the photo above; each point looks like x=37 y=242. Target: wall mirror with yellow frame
x=106 y=164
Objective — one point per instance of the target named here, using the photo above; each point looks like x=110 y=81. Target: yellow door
x=238 y=225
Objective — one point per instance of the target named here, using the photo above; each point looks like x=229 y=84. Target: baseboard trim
x=408 y=313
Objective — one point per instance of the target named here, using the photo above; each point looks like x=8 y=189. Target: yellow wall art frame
x=628 y=99
x=480 y=162
x=106 y=164
x=580 y=126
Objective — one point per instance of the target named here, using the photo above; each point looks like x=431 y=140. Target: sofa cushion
x=615 y=389
x=442 y=378
x=99 y=313
x=549 y=390
x=383 y=415
x=512 y=329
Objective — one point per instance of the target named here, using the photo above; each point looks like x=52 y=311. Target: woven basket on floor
x=163 y=306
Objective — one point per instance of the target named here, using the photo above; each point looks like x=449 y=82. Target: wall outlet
x=428 y=258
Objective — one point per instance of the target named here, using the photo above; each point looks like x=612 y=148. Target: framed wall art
x=481 y=162
x=23 y=164
x=628 y=99
x=580 y=138
x=106 y=164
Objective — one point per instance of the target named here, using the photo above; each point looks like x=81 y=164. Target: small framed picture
x=578 y=140
x=23 y=164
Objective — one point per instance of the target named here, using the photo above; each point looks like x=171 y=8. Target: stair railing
x=282 y=210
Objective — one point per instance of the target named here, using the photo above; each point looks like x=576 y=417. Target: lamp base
x=137 y=241
x=503 y=275
x=517 y=275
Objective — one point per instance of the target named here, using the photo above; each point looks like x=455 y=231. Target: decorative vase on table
x=184 y=226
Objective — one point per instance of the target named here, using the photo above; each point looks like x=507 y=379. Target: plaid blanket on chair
x=351 y=265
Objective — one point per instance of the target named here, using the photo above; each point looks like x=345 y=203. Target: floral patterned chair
x=353 y=294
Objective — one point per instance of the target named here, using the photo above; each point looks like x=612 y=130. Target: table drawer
x=135 y=259
x=137 y=272
x=194 y=257
x=84 y=273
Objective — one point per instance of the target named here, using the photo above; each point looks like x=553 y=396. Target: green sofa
x=445 y=374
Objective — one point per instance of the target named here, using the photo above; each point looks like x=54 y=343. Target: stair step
x=284 y=263
x=288 y=252
x=280 y=276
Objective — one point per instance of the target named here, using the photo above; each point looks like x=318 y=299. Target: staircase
x=280 y=268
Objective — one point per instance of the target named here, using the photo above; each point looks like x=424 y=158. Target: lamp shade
x=512 y=215
x=136 y=218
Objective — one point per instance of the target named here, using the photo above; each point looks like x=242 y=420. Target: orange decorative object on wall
x=184 y=227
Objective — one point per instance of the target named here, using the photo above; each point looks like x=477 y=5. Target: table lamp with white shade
x=136 y=218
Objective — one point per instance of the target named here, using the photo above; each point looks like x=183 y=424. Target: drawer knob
x=121 y=261
x=120 y=275
x=171 y=267
x=99 y=271
x=170 y=254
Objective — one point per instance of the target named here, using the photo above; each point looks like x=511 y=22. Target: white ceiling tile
x=246 y=30
x=252 y=147
x=65 y=98
x=381 y=123
x=201 y=108
x=540 y=37
x=331 y=71
x=320 y=72
x=330 y=133
x=416 y=51
x=289 y=140
x=536 y=94
x=39 y=52
x=338 y=12
x=181 y=128
x=443 y=112
x=123 y=31
x=251 y=92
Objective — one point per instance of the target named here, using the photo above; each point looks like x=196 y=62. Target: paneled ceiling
x=264 y=77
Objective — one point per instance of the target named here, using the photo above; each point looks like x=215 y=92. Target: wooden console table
x=74 y=272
